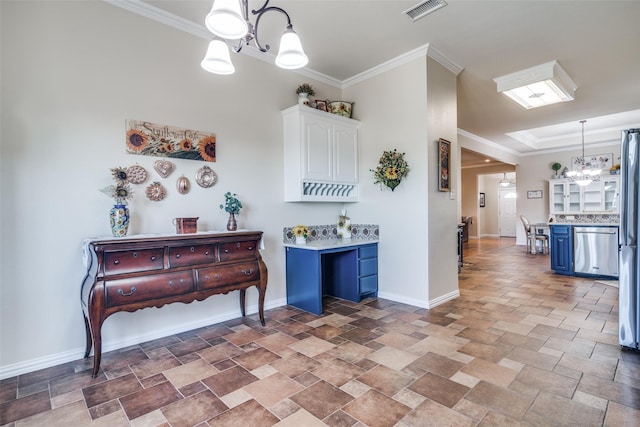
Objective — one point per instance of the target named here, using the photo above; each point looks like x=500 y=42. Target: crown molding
x=419 y=52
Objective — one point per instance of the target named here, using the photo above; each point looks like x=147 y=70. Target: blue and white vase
x=119 y=217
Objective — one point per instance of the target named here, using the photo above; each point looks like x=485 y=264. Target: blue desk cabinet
x=562 y=249
x=347 y=272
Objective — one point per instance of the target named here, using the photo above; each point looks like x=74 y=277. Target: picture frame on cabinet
x=481 y=200
x=534 y=194
x=444 y=151
x=322 y=105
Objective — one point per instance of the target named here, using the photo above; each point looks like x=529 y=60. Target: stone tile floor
x=521 y=346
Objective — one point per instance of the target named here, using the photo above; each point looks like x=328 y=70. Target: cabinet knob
x=178 y=256
x=171 y=283
x=226 y=251
x=250 y=248
x=206 y=252
x=153 y=258
x=116 y=262
x=135 y=254
x=192 y=249
x=238 y=245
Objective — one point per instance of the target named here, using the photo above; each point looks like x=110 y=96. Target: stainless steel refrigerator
x=629 y=277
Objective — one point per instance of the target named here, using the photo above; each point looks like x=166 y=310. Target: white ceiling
x=596 y=42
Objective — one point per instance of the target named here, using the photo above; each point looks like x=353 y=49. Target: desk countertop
x=320 y=245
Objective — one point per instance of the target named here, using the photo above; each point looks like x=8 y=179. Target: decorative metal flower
x=120 y=192
x=391 y=169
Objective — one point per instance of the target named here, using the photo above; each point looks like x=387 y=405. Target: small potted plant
x=556 y=167
x=301 y=232
x=233 y=206
x=304 y=91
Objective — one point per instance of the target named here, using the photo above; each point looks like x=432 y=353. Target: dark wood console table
x=127 y=274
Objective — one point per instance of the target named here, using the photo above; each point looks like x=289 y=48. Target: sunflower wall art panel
x=169 y=141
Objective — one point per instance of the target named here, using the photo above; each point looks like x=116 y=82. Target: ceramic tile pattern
x=521 y=346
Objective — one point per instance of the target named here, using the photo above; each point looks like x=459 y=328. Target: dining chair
x=533 y=238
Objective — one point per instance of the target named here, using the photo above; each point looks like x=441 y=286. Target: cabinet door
x=345 y=139
x=573 y=197
x=556 y=197
x=611 y=193
x=561 y=249
x=317 y=149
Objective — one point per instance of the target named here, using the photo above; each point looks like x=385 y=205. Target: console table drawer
x=213 y=277
x=181 y=256
x=121 y=262
x=238 y=250
x=143 y=288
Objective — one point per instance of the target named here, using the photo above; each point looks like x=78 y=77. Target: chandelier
x=504 y=182
x=585 y=175
x=229 y=21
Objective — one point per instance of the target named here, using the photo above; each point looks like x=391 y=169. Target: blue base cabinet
x=562 y=249
x=349 y=273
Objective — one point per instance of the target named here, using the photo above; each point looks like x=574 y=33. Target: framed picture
x=321 y=104
x=482 y=200
x=444 y=151
x=598 y=161
x=534 y=194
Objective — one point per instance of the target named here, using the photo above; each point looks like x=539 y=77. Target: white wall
x=72 y=72
x=417 y=223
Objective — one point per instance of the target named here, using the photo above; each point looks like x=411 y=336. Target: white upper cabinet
x=320 y=156
x=600 y=196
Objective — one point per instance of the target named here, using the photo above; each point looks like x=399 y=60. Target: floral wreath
x=392 y=168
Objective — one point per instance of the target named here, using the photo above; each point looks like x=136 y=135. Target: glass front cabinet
x=567 y=197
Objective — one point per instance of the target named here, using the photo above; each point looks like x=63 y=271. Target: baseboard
x=420 y=303
x=32 y=365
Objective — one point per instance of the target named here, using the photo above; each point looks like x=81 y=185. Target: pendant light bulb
x=225 y=20
x=291 y=56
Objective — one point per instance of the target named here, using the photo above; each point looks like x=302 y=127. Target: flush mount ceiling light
x=538 y=86
x=585 y=175
x=229 y=20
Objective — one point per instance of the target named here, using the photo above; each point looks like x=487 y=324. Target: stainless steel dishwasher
x=595 y=250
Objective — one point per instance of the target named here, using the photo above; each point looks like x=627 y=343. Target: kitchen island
x=344 y=268
x=584 y=249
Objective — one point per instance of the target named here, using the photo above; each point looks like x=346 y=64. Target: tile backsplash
x=326 y=232
x=587 y=219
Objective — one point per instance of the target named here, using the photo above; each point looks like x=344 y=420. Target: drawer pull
x=206 y=252
x=135 y=254
x=171 y=283
x=192 y=249
x=238 y=245
x=226 y=251
x=153 y=258
x=215 y=276
x=250 y=248
x=178 y=256
x=131 y=291
x=116 y=262
x=247 y=273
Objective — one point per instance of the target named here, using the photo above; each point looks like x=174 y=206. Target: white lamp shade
x=217 y=60
x=291 y=56
x=225 y=19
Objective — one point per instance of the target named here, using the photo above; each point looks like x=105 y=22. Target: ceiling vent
x=424 y=8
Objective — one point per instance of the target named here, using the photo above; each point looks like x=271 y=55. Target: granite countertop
x=320 y=245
